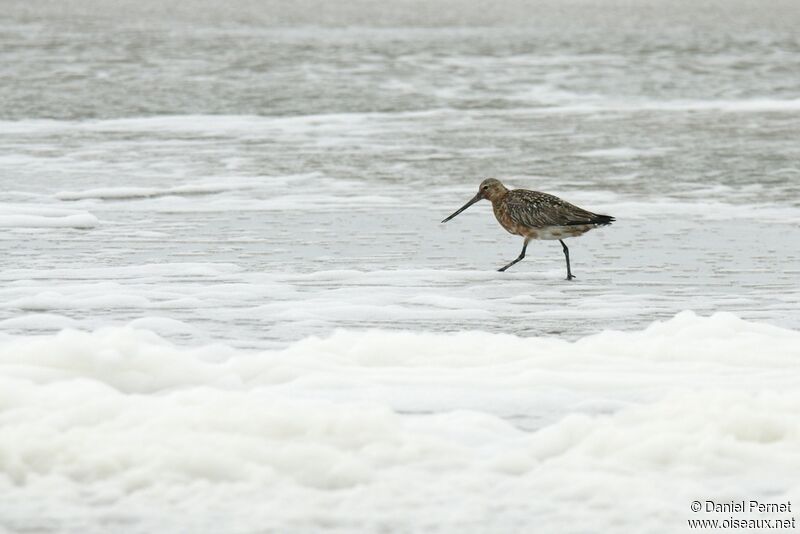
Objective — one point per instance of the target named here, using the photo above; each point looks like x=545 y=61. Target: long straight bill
x=465 y=206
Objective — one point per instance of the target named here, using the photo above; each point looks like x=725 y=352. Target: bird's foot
x=570 y=277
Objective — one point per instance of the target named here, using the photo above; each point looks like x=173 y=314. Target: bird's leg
x=521 y=255
x=566 y=255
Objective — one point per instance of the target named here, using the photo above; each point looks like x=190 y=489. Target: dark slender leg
x=521 y=255
x=566 y=255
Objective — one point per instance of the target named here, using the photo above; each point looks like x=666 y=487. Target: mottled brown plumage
x=535 y=215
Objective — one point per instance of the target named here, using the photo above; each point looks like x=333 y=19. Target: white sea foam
x=38 y=215
x=130 y=193
x=624 y=153
x=363 y=123
x=82 y=220
x=329 y=432
x=749 y=105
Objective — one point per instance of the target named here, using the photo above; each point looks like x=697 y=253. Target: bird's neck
x=497 y=196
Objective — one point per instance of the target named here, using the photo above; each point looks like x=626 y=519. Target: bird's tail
x=602 y=220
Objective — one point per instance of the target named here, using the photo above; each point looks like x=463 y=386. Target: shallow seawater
x=185 y=228
x=228 y=303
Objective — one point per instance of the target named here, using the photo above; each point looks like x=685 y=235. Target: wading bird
x=535 y=215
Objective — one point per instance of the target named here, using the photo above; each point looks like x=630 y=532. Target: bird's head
x=490 y=189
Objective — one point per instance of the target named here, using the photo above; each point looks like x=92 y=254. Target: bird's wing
x=536 y=210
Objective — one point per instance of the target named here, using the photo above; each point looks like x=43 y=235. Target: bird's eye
x=485 y=187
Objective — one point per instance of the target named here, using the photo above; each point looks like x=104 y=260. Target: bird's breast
x=505 y=220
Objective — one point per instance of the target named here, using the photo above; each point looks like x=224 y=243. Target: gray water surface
x=290 y=164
